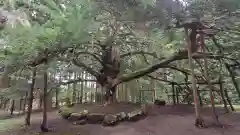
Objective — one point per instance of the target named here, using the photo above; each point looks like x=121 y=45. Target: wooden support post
x=173 y=94
x=222 y=95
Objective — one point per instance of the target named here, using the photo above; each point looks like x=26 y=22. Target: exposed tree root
x=199 y=122
x=44 y=129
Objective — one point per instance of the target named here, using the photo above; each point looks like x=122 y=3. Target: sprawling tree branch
x=85 y=67
x=162 y=80
x=46 y=55
x=184 y=71
x=161 y=64
x=138 y=52
x=91 y=54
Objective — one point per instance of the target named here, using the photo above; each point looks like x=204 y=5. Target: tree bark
x=199 y=121
x=30 y=97
x=45 y=97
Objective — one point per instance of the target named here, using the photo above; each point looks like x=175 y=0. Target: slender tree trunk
x=81 y=97
x=5 y=103
x=199 y=120
x=74 y=90
x=56 y=98
x=69 y=87
x=40 y=101
x=173 y=94
x=45 y=97
x=20 y=104
x=114 y=96
x=30 y=97
x=12 y=108
x=1 y=102
x=25 y=102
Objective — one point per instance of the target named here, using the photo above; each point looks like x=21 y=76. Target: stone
x=160 y=102
x=110 y=120
x=65 y=113
x=121 y=116
x=135 y=115
x=80 y=122
x=77 y=116
x=95 y=118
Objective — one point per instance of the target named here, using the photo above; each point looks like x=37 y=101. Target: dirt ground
x=164 y=120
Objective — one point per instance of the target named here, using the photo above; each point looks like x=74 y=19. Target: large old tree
x=100 y=35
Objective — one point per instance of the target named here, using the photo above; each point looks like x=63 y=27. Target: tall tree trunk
x=45 y=97
x=69 y=87
x=30 y=97
x=81 y=97
x=199 y=122
x=20 y=104
x=25 y=102
x=114 y=96
x=1 y=102
x=74 y=89
x=56 y=97
x=12 y=108
x=40 y=101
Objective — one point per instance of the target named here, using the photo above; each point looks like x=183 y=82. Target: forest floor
x=163 y=120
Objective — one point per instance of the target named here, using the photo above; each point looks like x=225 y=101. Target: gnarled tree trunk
x=109 y=72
